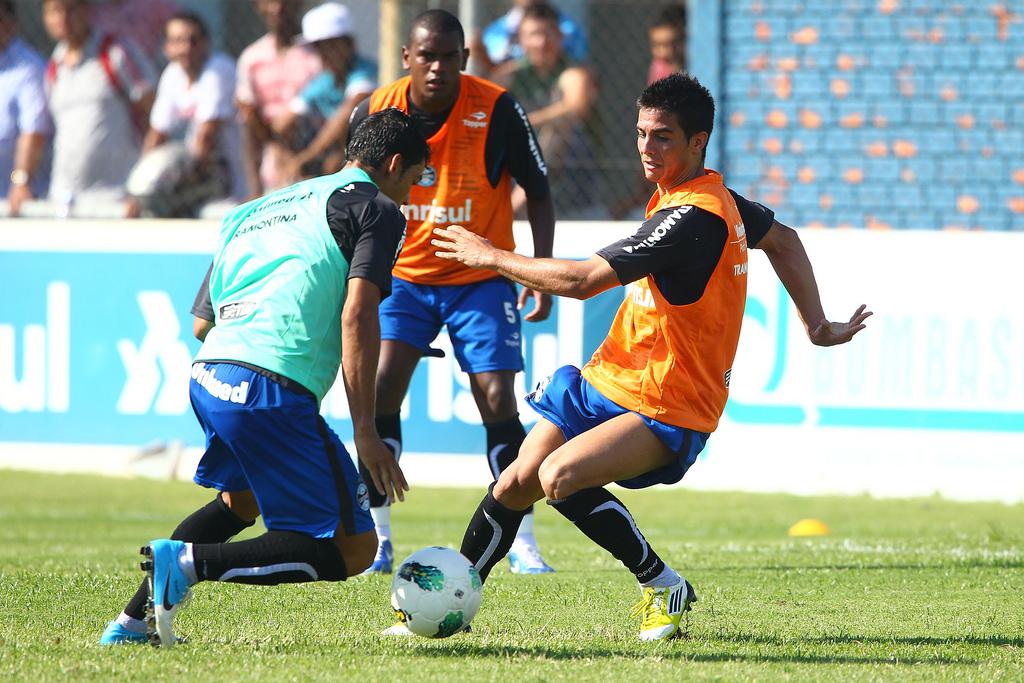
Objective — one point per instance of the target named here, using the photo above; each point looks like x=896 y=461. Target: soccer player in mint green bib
x=295 y=286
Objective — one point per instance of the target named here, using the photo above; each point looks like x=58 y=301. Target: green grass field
x=911 y=590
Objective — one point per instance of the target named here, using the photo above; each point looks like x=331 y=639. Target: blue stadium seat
x=877 y=28
x=907 y=197
x=921 y=56
x=981 y=83
x=887 y=55
x=956 y=57
x=924 y=169
x=894 y=111
x=953 y=170
x=808 y=83
x=745 y=167
x=1010 y=141
x=885 y=169
x=878 y=83
x=803 y=196
x=840 y=140
x=993 y=55
x=923 y=113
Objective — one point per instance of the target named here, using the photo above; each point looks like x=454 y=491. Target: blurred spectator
x=317 y=119
x=558 y=95
x=195 y=103
x=667 y=39
x=139 y=21
x=271 y=72
x=25 y=124
x=100 y=90
x=500 y=38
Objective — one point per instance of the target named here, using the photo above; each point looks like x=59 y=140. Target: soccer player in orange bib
x=480 y=141
x=644 y=406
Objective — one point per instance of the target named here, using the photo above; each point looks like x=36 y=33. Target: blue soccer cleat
x=117 y=634
x=168 y=589
x=384 y=560
x=525 y=558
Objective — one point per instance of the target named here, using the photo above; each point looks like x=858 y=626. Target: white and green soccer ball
x=436 y=592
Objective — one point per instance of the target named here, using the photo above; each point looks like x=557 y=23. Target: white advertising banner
x=95 y=347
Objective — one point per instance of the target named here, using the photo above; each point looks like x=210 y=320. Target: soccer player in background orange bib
x=644 y=406
x=480 y=141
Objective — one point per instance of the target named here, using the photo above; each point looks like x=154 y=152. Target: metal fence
x=857 y=113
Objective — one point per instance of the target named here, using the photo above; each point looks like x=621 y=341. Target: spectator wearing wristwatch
x=25 y=126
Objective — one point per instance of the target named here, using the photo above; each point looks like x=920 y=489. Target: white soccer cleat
x=525 y=558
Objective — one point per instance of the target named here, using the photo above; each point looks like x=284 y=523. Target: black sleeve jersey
x=679 y=246
x=757 y=218
x=370 y=231
x=202 y=307
x=511 y=143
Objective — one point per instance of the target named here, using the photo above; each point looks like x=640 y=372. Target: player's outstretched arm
x=782 y=245
x=360 y=351
x=561 y=277
x=541 y=214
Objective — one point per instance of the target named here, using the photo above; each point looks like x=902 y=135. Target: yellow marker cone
x=809 y=527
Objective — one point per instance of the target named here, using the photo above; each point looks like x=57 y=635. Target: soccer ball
x=436 y=592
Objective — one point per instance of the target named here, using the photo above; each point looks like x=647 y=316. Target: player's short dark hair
x=438 y=21
x=389 y=131
x=7 y=9
x=672 y=16
x=684 y=96
x=190 y=18
x=541 y=11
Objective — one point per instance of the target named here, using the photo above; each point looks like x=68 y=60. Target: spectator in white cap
x=317 y=118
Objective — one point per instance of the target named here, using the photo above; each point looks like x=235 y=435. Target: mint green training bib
x=278 y=284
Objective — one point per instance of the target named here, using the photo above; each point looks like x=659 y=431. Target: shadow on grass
x=979 y=564
x=950 y=641
x=670 y=651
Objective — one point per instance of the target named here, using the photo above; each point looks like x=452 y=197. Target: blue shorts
x=573 y=405
x=272 y=440
x=482 y=319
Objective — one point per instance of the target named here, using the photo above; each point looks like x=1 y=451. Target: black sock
x=607 y=522
x=490 y=533
x=389 y=427
x=212 y=523
x=503 y=442
x=273 y=558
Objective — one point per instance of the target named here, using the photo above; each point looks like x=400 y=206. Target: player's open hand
x=455 y=243
x=378 y=459
x=541 y=305
x=830 y=333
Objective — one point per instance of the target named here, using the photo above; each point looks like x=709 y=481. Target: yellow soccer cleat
x=661 y=609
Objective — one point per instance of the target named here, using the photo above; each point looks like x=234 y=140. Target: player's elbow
x=778 y=240
x=201 y=328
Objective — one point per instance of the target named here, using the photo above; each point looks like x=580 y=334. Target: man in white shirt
x=100 y=89
x=195 y=104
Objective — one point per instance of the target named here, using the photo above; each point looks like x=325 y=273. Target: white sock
x=131 y=623
x=382 y=522
x=187 y=563
x=525 y=533
x=666 y=578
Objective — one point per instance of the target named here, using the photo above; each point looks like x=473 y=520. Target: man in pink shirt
x=271 y=72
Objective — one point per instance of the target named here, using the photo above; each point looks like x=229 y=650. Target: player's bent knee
x=517 y=488
x=242 y=503
x=357 y=551
x=557 y=480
